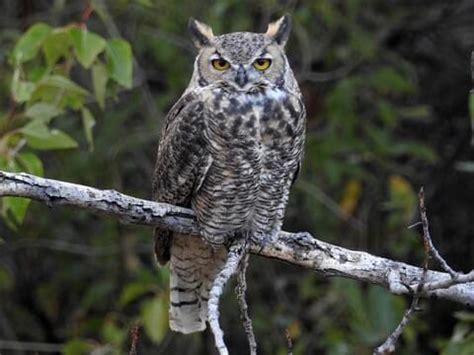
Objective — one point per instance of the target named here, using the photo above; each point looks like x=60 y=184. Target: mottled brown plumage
x=230 y=150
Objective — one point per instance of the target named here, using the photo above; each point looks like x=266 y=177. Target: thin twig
x=427 y=237
x=388 y=347
x=289 y=342
x=455 y=277
x=241 y=289
x=86 y=13
x=134 y=335
x=459 y=279
x=234 y=256
x=414 y=225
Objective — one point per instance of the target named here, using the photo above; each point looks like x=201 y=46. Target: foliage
x=42 y=90
x=84 y=281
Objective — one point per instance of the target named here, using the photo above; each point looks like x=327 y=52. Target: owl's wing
x=182 y=161
x=301 y=114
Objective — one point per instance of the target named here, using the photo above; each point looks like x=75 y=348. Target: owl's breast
x=255 y=141
x=262 y=117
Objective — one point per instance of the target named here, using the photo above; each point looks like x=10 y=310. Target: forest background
x=386 y=85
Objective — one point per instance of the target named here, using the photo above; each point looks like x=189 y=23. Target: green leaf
x=87 y=45
x=383 y=313
x=363 y=42
x=17 y=206
x=31 y=163
x=77 y=347
x=462 y=346
x=43 y=111
x=402 y=197
x=387 y=113
x=414 y=149
x=56 y=45
x=418 y=112
x=388 y=80
x=21 y=90
x=37 y=73
x=119 y=61
x=88 y=122
x=13 y=208
x=36 y=129
x=56 y=140
x=39 y=138
x=30 y=42
x=64 y=83
x=6 y=279
x=95 y=292
x=99 y=81
x=154 y=315
x=112 y=333
x=132 y=291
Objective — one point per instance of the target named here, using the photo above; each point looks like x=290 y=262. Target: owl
x=230 y=149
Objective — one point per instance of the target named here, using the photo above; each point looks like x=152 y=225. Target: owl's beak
x=241 y=78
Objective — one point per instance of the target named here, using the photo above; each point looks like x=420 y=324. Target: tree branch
x=296 y=248
x=241 y=290
x=237 y=250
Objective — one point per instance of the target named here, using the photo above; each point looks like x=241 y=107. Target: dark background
x=386 y=85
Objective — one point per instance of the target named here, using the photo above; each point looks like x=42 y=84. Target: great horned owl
x=230 y=149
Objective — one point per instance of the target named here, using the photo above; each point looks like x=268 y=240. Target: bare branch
x=289 y=342
x=297 y=248
x=388 y=347
x=134 y=335
x=241 y=289
x=458 y=279
x=427 y=236
x=236 y=251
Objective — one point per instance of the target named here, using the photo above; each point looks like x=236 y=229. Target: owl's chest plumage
x=255 y=142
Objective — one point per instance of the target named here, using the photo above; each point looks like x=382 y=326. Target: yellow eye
x=220 y=64
x=262 y=63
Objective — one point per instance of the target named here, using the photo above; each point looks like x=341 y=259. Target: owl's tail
x=193 y=267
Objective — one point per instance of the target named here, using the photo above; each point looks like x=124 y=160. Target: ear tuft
x=201 y=33
x=279 y=30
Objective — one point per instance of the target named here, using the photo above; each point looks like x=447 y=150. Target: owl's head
x=241 y=60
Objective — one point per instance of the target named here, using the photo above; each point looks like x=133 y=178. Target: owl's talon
x=263 y=241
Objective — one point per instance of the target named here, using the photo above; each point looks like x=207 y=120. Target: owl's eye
x=220 y=64
x=262 y=63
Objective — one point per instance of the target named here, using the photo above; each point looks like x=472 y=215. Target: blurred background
x=386 y=85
